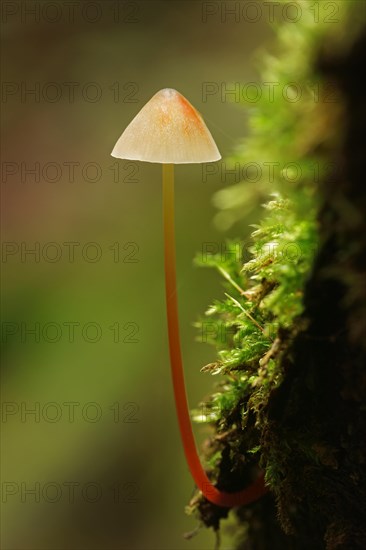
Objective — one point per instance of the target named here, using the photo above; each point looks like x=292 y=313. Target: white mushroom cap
x=169 y=130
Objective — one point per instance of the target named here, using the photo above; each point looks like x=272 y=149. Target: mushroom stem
x=220 y=498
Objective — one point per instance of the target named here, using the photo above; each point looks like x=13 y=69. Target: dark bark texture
x=315 y=422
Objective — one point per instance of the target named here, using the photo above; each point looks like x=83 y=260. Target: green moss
x=262 y=306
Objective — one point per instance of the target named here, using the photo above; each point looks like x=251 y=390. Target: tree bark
x=315 y=432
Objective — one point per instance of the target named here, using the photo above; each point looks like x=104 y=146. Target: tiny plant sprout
x=168 y=130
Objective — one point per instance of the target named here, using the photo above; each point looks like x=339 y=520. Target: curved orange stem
x=221 y=498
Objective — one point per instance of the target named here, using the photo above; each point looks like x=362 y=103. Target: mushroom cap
x=168 y=129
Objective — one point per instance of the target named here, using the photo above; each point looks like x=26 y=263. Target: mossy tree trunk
x=300 y=409
x=315 y=422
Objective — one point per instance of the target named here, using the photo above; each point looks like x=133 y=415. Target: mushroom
x=168 y=130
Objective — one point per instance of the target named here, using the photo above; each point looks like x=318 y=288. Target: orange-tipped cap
x=169 y=130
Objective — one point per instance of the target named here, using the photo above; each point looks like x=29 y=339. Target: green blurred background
x=148 y=46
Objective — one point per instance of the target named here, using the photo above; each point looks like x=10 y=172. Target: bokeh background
x=111 y=474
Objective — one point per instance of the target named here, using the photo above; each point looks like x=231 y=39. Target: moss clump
x=293 y=396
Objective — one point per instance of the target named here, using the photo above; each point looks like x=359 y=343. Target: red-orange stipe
x=214 y=495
